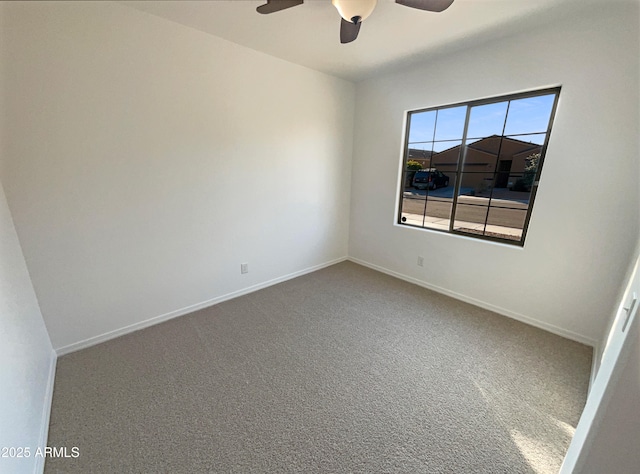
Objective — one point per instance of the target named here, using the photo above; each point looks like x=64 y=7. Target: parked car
x=430 y=178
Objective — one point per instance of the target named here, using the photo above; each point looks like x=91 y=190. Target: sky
x=526 y=115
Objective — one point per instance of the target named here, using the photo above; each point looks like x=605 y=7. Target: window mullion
x=456 y=188
x=495 y=167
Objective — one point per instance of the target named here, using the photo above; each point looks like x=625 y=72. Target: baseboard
x=46 y=412
x=205 y=304
x=92 y=341
x=482 y=304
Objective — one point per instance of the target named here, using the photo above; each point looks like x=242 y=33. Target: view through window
x=473 y=168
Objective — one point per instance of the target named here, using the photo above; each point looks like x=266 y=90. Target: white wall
x=612 y=442
x=147 y=160
x=606 y=439
x=585 y=220
x=27 y=359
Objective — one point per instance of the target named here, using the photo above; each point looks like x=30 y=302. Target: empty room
x=320 y=236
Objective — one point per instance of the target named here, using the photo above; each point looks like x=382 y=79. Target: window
x=473 y=168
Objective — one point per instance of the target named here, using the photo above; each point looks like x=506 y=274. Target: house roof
x=489 y=145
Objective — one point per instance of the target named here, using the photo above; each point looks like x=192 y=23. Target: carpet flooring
x=342 y=370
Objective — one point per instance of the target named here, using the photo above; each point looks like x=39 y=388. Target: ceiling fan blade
x=428 y=5
x=273 y=6
x=348 y=31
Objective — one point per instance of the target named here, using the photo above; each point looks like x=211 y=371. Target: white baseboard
x=46 y=412
x=92 y=341
x=496 y=309
x=205 y=304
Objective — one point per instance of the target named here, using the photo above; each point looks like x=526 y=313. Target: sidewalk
x=443 y=224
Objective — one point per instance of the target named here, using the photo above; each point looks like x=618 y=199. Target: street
x=507 y=210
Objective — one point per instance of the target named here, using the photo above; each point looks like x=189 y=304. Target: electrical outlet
x=244 y=268
x=420 y=262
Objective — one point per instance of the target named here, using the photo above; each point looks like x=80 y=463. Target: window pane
x=446 y=156
x=421 y=126
x=505 y=223
x=470 y=218
x=413 y=209
x=438 y=213
x=487 y=120
x=522 y=169
x=407 y=177
x=450 y=123
x=440 y=202
x=529 y=115
x=476 y=186
x=420 y=153
x=482 y=155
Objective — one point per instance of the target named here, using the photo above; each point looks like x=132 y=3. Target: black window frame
x=460 y=163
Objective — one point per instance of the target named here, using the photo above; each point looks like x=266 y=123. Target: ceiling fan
x=354 y=12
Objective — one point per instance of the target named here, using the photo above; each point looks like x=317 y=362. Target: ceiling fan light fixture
x=354 y=11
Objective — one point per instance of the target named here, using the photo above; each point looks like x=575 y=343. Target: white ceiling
x=393 y=35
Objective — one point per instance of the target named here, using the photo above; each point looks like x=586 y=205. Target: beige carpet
x=342 y=370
